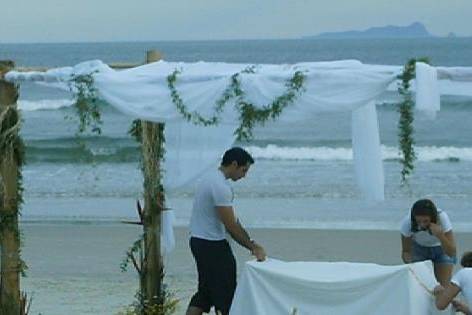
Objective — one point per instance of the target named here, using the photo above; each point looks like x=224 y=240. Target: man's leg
x=200 y=302
x=193 y=310
x=224 y=286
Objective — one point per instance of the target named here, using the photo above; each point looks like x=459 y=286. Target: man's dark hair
x=466 y=260
x=423 y=207
x=241 y=156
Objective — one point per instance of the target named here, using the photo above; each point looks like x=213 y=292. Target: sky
x=142 y=20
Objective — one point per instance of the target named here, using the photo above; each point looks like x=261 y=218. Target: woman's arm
x=447 y=239
x=406 y=249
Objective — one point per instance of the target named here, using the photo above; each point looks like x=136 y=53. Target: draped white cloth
x=322 y=288
x=346 y=85
x=427 y=89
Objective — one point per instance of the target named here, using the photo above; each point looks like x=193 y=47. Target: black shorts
x=216 y=268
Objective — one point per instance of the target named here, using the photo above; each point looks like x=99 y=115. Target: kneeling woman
x=427 y=235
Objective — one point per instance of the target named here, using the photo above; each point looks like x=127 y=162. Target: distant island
x=414 y=30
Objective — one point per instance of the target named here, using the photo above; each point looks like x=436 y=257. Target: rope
x=424 y=286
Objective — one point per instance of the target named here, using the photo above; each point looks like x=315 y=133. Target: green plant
x=87 y=102
x=405 y=123
x=249 y=114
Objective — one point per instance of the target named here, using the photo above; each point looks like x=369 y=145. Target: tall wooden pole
x=9 y=204
x=153 y=142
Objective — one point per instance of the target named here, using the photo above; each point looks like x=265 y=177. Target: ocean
x=303 y=176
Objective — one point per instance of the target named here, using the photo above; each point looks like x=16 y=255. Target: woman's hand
x=435 y=229
x=438 y=290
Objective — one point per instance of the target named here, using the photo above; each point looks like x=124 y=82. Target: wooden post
x=153 y=140
x=9 y=232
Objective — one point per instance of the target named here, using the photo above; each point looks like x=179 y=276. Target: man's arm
x=461 y=307
x=238 y=233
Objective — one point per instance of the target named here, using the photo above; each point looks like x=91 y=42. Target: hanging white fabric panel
x=323 y=288
x=367 y=151
x=427 y=89
x=167 y=236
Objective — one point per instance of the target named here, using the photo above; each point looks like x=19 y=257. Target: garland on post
x=11 y=141
x=88 y=111
x=249 y=114
x=405 y=123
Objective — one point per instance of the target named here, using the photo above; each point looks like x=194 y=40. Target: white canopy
x=323 y=288
x=347 y=85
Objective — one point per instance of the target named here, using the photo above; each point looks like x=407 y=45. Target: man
x=460 y=282
x=212 y=216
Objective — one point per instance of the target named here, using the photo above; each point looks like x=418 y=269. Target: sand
x=74 y=268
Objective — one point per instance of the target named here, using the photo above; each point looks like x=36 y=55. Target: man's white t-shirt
x=463 y=279
x=213 y=191
x=424 y=238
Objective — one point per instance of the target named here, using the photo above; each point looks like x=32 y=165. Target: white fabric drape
x=427 y=89
x=366 y=151
x=346 y=85
x=279 y=288
x=142 y=92
x=167 y=232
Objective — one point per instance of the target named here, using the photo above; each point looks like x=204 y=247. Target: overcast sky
x=138 y=20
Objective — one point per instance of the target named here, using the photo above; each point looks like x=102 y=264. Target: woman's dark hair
x=423 y=207
x=466 y=260
x=241 y=156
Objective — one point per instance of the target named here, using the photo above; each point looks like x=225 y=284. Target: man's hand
x=435 y=229
x=259 y=252
x=461 y=307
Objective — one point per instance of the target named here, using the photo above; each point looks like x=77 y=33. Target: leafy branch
x=405 y=123
x=87 y=102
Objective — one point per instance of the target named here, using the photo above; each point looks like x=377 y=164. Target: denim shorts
x=434 y=253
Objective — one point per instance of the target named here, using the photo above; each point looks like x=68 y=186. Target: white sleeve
x=445 y=222
x=405 y=227
x=222 y=195
x=457 y=279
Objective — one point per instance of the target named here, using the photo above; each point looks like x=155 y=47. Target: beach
x=301 y=199
x=75 y=267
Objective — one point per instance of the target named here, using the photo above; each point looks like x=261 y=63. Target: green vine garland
x=195 y=117
x=87 y=102
x=249 y=114
x=405 y=123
